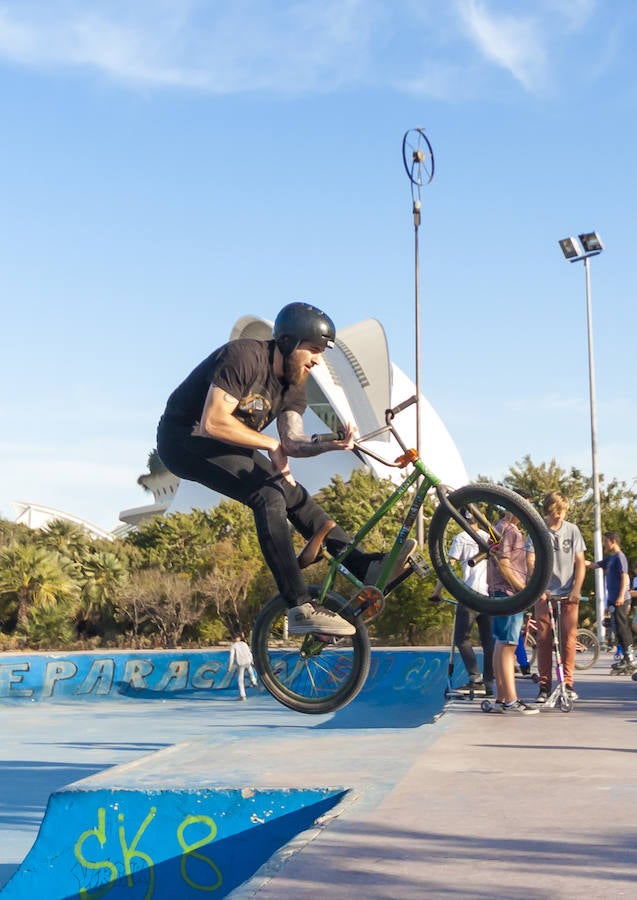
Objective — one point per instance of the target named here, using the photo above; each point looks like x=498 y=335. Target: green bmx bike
x=315 y=673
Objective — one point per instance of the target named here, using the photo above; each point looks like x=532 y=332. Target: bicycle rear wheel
x=488 y=505
x=309 y=673
x=586 y=649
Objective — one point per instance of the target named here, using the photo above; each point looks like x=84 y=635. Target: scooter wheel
x=486 y=706
x=634 y=676
x=566 y=704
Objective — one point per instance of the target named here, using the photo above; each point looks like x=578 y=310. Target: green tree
x=408 y=616
x=34 y=577
x=102 y=573
x=618 y=501
x=177 y=543
x=163 y=601
x=225 y=587
x=66 y=538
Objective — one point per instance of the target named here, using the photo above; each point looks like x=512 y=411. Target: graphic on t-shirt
x=253 y=409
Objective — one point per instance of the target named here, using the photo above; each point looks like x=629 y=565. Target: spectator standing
x=241 y=658
x=633 y=596
x=506 y=575
x=462 y=549
x=569 y=569
x=615 y=566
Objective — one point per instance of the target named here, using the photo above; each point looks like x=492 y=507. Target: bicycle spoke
x=493 y=577
x=309 y=673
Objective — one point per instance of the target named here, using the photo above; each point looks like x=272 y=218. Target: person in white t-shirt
x=462 y=549
x=569 y=569
x=241 y=658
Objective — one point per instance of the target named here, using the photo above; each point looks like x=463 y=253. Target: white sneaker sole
x=344 y=630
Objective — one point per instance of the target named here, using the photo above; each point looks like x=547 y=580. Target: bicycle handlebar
x=390 y=413
x=387 y=427
x=329 y=436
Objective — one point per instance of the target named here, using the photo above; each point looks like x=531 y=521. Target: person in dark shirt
x=212 y=432
x=615 y=566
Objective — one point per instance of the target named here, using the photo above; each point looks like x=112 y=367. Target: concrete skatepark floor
x=429 y=803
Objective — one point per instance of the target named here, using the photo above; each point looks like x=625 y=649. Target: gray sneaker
x=373 y=572
x=308 y=618
x=518 y=708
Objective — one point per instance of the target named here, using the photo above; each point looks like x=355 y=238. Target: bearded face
x=299 y=364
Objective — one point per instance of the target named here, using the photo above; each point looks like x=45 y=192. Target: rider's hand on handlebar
x=347 y=443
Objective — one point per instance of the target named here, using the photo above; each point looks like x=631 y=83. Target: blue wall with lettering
x=86 y=676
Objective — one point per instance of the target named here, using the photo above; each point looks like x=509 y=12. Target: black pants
x=249 y=477
x=465 y=618
x=623 y=628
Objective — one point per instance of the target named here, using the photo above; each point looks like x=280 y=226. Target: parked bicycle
x=587 y=647
x=315 y=673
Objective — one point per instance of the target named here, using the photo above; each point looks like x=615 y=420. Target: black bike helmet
x=299 y=322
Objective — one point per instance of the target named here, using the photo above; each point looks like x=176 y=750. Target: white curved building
x=36 y=516
x=354 y=382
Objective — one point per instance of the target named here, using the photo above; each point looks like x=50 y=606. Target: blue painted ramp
x=164 y=845
x=203 y=816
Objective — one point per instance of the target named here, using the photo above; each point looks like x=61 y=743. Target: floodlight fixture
x=571 y=248
x=591 y=242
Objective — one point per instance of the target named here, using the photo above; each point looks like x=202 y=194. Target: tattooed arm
x=217 y=421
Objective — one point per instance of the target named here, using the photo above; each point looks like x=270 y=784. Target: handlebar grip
x=390 y=413
x=329 y=436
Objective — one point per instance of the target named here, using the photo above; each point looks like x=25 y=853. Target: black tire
x=303 y=672
x=566 y=704
x=586 y=649
x=492 y=502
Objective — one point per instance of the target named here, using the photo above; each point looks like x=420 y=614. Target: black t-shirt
x=245 y=370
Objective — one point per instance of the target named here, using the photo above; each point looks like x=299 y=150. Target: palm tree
x=102 y=574
x=65 y=537
x=35 y=577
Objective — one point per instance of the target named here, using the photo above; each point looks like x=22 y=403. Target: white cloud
x=229 y=46
x=513 y=42
x=294 y=46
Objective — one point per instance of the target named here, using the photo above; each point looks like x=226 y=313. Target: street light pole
x=597 y=508
x=575 y=249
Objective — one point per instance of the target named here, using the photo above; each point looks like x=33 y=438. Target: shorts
x=506 y=629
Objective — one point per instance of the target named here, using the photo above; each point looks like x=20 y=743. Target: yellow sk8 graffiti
x=110 y=873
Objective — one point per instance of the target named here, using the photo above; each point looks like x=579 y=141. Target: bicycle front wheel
x=309 y=673
x=489 y=504
x=586 y=649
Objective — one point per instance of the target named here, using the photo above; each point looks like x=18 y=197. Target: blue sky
x=170 y=165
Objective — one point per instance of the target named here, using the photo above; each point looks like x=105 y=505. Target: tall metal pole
x=597 y=509
x=420 y=522
x=418 y=159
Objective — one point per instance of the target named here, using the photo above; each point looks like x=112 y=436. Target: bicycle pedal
x=419 y=564
x=368 y=603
